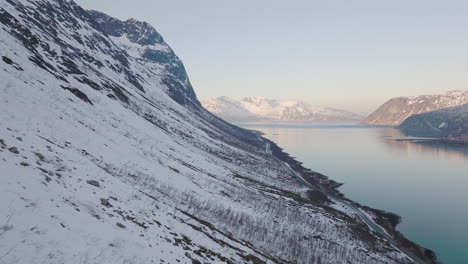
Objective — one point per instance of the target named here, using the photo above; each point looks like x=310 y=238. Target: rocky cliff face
x=261 y=109
x=396 y=110
x=141 y=40
x=449 y=122
x=107 y=157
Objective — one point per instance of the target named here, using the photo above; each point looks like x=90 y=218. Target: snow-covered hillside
x=396 y=110
x=449 y=122
x=261 y=109
x=106 y=156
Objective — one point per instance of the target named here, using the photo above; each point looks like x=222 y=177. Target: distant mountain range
x=396 y=110
x=448 y=123
x=261 y=109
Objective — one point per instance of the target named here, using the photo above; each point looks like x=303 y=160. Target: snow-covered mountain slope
x=261 y=109
x=230 y=110
x=449 y=122
x=106 y=156
x=396 y=110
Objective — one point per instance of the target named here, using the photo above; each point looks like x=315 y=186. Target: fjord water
x=426 y=184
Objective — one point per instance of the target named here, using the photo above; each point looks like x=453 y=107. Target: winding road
x=372 y=225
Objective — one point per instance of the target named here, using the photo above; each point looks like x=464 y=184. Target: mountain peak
x=260 y=101
x=263 y=109
x=142 y=41
x=131 y=19
x=137 y=31
x=457 y=93
x=396 y=110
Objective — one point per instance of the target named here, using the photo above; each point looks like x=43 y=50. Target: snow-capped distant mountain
x=106 y=156
x=396 y=110
x=449 y=122
x=261 y=109
x=230 y=110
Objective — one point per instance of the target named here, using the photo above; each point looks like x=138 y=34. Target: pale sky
x=348 y=54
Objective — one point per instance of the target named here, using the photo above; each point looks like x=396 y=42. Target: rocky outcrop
x=447 y=123
x=396 y=110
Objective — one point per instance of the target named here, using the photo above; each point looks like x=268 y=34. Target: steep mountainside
x=261 y=109
x=448 y=123
x=106 y=156
x=396 y=110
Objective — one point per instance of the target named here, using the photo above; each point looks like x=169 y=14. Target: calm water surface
x=426 y=184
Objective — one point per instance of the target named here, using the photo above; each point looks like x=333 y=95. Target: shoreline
x=387 y=221
x=459 y=142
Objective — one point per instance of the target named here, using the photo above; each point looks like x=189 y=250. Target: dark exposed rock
x=196 y=261
x=14 y=150
x=11 y=62
x=93 y=182
x=69 y=66
x=105 y=202
x=90 y=83
x=7 y=60
x=78 y=94
x=316 y=196
x=43 y=170
x=5 y=228
x=118 y=91
x=39 y=156
x=254 y=259
x=120 y=225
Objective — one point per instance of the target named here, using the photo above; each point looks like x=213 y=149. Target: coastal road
x=372 y=225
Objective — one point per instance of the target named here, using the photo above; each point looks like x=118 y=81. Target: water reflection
x=397 y=140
